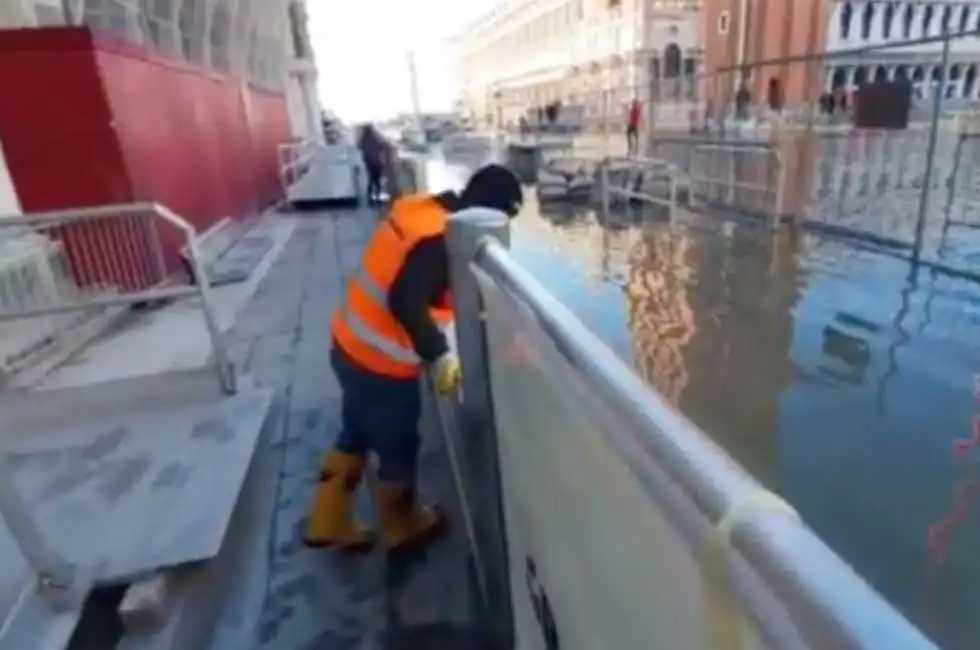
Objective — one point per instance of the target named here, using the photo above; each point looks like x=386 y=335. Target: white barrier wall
x=580 y=579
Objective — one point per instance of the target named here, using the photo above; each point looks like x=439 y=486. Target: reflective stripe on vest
x=363 y=332
x=363 y=324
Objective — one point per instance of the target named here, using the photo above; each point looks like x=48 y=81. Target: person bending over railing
x=385 y=332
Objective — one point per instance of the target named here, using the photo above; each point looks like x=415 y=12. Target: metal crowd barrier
x=598 y=513
x=644 y=179
x=94 y=263
x=743 y=176
x=295 y=159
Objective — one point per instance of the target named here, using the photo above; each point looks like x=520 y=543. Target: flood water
x=835 y=375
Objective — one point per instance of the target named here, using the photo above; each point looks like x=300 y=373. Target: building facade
x=594 y=54
x=817 y=46
x=881 y=24
x=180 y=102
x=264 y=42
x=598 y=54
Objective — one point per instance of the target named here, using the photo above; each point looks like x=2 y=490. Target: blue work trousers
x=379 y=414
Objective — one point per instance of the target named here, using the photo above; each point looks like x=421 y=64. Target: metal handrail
x=293 y=157
x=830 y=605
x=163 y=291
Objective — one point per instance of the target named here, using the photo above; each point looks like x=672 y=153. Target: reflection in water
x=711 y=327
x=660 y=319
x=831 y=373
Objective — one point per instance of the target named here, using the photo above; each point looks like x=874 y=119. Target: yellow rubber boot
x=331 y=522
x=405 y=523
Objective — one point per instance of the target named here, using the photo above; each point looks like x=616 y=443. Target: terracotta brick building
x=740 y=32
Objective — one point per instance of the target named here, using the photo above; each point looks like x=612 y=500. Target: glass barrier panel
x=595 y=562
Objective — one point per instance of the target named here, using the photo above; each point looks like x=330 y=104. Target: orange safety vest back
x=363 y=326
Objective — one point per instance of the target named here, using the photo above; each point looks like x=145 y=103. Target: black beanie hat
x=494 y=186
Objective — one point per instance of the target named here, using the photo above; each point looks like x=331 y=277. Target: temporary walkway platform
x=586 y=512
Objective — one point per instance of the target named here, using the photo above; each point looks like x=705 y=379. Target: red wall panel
x=187 y=136
x=55 y=122
x=89 y=120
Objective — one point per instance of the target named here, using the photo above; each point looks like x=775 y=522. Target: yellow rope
x=722 y=618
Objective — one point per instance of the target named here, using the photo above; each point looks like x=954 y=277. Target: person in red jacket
x=633 y=119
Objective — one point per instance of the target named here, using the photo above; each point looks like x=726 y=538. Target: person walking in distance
x=633 y=117
x=385 y=334
x=372 y=147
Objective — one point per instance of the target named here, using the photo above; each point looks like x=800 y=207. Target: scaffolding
x=253 y=39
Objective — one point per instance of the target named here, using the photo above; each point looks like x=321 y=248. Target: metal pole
x=477 y=436
x=416 y=102
x=937 y=104
x=743 y=29
x=604 y=185
x=951 y=188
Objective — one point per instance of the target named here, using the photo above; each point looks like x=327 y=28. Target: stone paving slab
x=113 y=475
x=238 y=263
x=288 y=597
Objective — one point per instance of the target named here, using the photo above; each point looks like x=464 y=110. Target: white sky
x=362 y=53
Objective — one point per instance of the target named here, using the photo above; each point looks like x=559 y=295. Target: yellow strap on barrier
x=723 y=622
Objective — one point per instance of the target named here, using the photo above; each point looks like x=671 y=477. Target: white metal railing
x=644 y=179
x=94 y=262
x=295 y=159
x=742 y=176
x=601 y=514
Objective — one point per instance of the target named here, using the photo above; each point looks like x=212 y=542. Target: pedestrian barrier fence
x=467 y=145
x=644 y=179
x=295 y=159
x=963 y=189
x=746 y=177
x=619 y=524
x=67 y=275
x=213 y=243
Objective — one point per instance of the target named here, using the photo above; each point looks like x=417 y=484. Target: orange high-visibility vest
x=362 y=325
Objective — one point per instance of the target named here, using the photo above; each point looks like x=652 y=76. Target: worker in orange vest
x=385 y=333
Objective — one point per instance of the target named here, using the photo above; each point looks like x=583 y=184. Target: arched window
x=964 y=18
x=672 y=61
x=970 y=82
x=889 y=19
x=927 y=20
x=845 y=20
x=907 y=21
x=839 y=79
x=946 y=19
x=860 y=76
x=867 y=19
x=881 y=73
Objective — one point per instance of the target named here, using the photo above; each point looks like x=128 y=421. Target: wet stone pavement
x=290 y=597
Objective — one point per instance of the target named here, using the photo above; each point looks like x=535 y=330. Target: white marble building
x=596 y=54
x=883 y=25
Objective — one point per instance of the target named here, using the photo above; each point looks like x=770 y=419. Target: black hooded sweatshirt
x=420 y=284
x=424 y=277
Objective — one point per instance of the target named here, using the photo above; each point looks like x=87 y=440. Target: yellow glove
x=445 y=373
